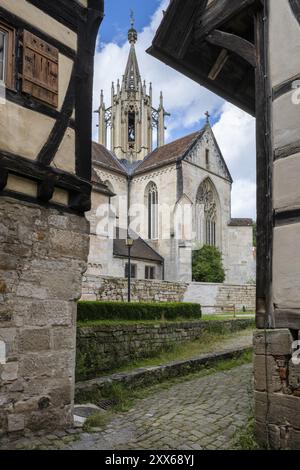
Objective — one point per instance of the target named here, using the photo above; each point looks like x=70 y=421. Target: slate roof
x=140 y=249
x=241 y=223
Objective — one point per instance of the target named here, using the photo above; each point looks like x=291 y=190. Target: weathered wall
x=210 y=295
x=106 y=347
x=43 y=254
x=277 y=409
x=115 y=289
x=277 y=403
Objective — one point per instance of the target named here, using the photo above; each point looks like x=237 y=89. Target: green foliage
x=207 y=265
x=90 y=311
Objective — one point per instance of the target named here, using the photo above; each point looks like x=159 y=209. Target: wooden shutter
x=40 y=69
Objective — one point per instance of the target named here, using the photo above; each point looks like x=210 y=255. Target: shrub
x=91 y=311
x=207 y=265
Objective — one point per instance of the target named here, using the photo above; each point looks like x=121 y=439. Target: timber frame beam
x=233 y=43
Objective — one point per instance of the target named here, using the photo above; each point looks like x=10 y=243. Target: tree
x=207 y=265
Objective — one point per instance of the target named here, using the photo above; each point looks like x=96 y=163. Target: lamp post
x=129 y=244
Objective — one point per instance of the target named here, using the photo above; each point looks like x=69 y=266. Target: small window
x=149 y=272
x=7 y=36
x=133 y=270
x=207 y=158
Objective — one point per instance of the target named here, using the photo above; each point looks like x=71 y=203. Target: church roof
x=170 y=153
x=103 y=157
x=140 y=249
x=241 y=223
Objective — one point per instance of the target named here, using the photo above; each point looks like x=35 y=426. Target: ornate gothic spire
x=132 y=76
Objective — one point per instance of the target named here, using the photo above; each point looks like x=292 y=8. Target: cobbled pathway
x=201 y=413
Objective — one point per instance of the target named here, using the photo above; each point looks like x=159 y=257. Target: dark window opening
x=207 y=158
x=133 y=270
x=149 y=272
x=131 y=127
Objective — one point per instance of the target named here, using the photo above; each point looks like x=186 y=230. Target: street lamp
x=129 y=244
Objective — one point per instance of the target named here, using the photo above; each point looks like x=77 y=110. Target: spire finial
x=132 y=18
x=207 y=117
x=132 y=33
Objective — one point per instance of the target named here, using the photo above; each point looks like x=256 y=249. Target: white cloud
x=187 y=102
x=244 y=199
x=235 y=133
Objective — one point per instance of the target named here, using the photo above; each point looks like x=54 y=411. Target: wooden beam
x=219 y=64
x=193 y=71
x=235 y=44
x=218 y=13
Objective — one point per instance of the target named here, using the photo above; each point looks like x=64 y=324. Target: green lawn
x=209 y=342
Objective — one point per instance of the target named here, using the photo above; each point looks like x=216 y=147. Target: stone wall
x=277 y=392
x=218 y=295
x=43 y=253
x=106 y=347
x=115 y=289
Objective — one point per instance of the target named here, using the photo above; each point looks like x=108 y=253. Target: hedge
x=91 y=311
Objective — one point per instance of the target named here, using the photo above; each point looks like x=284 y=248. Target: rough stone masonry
x=43 y=254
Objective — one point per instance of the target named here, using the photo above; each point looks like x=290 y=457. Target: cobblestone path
x=202 y=413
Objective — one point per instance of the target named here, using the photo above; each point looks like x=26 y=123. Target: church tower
x=131 y=117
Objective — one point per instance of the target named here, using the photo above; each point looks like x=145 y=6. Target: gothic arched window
x=152 y=203
x=131 y=127
x=206 y=214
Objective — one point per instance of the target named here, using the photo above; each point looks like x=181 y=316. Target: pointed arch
x=151 y=198
x=207 y=214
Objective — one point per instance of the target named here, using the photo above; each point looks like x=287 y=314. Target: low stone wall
x=115 y=289
x=105 y=347
x=210 y=296
x=277 y=392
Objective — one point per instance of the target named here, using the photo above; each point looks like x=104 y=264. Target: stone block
x=34 y=340
x=294 y=376
x=10 y=372
x=16 y=423
x=261 y=365
x=62 y=338
x=279 y=342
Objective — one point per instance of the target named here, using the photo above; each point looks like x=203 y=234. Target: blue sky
x=184 y=99
x=117 y=12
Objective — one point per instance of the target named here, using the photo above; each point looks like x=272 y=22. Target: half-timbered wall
x=277 y=376
x=45 y=170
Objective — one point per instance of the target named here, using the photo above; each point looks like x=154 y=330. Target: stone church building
x=175 y=197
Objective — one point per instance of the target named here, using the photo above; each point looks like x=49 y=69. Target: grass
x=98 y=323
x=126 y=396
x=208 y=342
x=97 y=420
x=245 y=437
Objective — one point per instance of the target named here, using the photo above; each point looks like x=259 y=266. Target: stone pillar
x=43 y=254
x=277 y=389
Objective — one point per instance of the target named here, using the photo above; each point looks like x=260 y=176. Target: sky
x=186 y=100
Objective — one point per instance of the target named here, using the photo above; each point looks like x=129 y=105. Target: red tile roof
x=106 y=159
x=169 y=153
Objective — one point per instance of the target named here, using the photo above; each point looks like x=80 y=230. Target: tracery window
x=206 y=214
